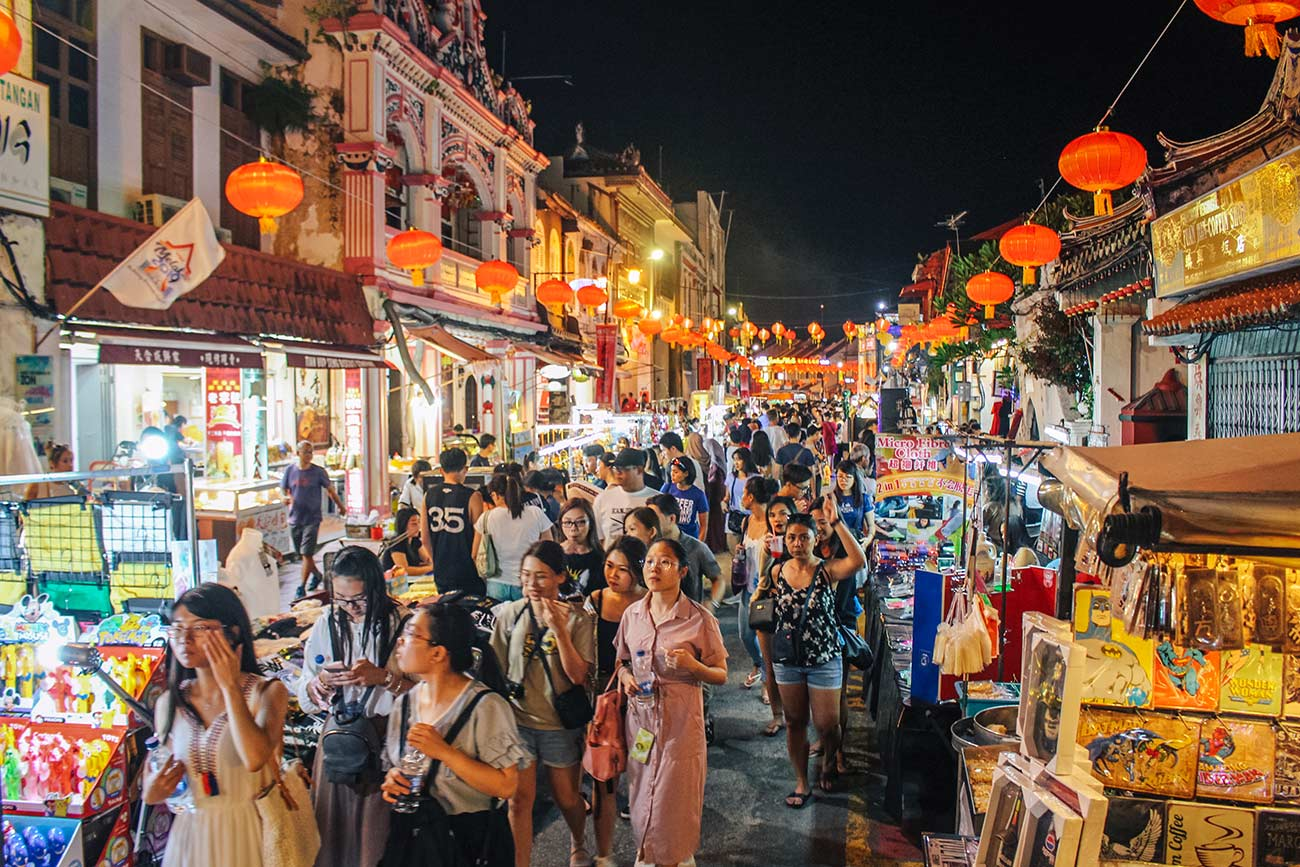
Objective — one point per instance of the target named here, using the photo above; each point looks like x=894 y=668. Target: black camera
x=515 y=690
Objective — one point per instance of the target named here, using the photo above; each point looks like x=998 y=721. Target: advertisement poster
x=223 y=395
x=919 y=488
x=311 y=405
x=255 y=447
x=354 y=411
x=35 y=391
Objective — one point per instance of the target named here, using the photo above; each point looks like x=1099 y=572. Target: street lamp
x=656 y=255
x=731 y=311
x=880 y=305
x=634 y=276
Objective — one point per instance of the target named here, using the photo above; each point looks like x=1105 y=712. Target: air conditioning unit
x=224 y=235
x=186 y=66
x=68 y=193
x=155 y=209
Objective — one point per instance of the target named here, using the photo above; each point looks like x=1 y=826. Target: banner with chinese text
x=223 y=395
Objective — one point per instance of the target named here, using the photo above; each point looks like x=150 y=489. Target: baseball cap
x=630 y=459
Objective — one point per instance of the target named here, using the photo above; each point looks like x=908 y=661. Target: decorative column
x=364 y=164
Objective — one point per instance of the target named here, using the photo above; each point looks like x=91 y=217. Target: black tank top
x=452 y=536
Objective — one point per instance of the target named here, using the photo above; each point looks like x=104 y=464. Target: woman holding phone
x=779 y=511
x=665 y=725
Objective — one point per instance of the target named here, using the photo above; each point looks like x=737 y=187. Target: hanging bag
x=290 y=836
x=573 y=706
x=486 y=560
x=740 y=568
x=604 y=756
x=762 y=608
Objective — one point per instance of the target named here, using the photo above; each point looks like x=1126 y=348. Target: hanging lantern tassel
x=1262 y=38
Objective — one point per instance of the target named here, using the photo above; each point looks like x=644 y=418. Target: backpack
x=604 y=756
x=351 y=743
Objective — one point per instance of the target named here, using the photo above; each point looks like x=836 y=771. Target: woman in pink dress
x=684 y=645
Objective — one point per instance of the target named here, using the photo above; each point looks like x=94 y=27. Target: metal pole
x=1006 y=561
x=191 y=522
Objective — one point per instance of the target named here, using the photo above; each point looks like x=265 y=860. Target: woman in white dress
x=224 y=724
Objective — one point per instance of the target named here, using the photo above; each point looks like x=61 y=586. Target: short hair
x=645 y=516
x=453 y=460
x=671 y=440
x=666 y=504
x=308 y=443
x=487 y=441
x=537 y=481
x=796 y=474
x=793 y=431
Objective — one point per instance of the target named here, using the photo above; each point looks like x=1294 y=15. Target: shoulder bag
x=573 y=706
x=486 y=561
x=735 y=517
x=290 y=836
x=787 y=643
x=604 y=754
x=762 y=606
x=350 y=743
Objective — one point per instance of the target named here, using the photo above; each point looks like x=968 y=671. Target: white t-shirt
x=613 y=504
x=511 y=537
x=776 y=436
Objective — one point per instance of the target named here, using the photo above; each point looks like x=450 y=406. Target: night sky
x=843 y=131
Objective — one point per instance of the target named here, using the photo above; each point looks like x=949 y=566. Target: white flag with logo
x=175 y=259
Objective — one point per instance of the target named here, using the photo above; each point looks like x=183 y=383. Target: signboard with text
x=223 y=395
x=24 y=146
x=354 y=413
x=35 y=382
x=919 y=489
x=1248 y=226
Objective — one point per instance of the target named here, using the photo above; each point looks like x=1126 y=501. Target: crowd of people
x=605 y=589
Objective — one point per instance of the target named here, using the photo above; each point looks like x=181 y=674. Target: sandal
x=756 y=677
x=773 y=728
x=762 y=696
x=798 y=800
x=814 y=751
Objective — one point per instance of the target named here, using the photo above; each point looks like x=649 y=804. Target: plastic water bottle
x=644 y=671
x=414 y=766
x=181 y=799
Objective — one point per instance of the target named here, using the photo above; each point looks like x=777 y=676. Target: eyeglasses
x=579 y=522
x=664 y=562
x=184 y=634
x=409 y=635
x=351 y=601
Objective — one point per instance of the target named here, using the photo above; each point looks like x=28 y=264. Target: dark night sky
x=842 y=131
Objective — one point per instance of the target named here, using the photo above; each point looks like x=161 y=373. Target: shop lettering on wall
x=24 y=146
x=156 y=356
x=910 y=454
x=225 y=429
x=354 y=438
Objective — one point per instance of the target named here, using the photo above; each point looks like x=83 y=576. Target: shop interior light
x=555 y=385
x=656 y=314
x=656 y=255
x=153 y=447
x=554 y=371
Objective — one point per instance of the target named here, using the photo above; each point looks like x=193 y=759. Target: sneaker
x=300 y=592
x=313 y=583
x=624 y=809
x=733 y=599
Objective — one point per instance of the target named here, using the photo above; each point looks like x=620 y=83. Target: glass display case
x=224 y=509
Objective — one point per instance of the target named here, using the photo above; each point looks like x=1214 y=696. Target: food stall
x=1159 y=720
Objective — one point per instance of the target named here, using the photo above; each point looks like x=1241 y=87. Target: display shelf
x=225 y=509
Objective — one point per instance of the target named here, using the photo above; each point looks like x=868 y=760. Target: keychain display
x=1228 y=605
x=1140 y=752
x=1199 y=617
x=1269 y=607
x=1236 y=760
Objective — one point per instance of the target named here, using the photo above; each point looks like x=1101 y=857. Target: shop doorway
x=93 y=426
x=471 y=403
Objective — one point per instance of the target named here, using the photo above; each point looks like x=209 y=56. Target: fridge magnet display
x=1118 y=669
x=1186 y=678
x=1209 y=835
x=1277 y=838
x=1236 y=760
x=1049 y=701
x=1252 y=681
x=1154 y=752
x=1286 y=773
x=1135 y=830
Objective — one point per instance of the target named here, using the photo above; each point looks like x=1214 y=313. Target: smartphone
x=335 y=667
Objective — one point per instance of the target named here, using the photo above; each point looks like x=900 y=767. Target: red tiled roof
x=1265 y=300
x=250 y=293
x=919 y=288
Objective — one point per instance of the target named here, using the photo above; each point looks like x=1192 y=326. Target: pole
x=1006 y=560
x=66 y=316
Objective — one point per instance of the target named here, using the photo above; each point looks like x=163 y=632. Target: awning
x=317 y=356
x=439 y=338
x=1242 y=492
x=547 y=355
x=180 y=349
x=1255 y=303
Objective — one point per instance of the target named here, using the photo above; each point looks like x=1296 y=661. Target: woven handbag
x=290 y=837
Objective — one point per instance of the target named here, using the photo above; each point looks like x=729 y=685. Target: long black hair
x=761 y=449
x=451 y=626
x=408 y=545
x=217 y=602
x=549 y=552
x=746 y=456
x=508 y=486
x=377 y=629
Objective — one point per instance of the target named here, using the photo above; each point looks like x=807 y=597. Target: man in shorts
x=303 y=483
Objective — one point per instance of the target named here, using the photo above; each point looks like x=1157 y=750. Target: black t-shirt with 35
x=451 y=533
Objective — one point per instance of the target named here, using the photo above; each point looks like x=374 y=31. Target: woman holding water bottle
x=669 y=645
x=478 y=766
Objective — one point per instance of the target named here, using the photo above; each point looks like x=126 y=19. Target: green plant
x=1057 y=354
x=281 y=103
x=332 y=10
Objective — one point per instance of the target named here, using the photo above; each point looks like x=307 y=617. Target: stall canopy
x=442 y=340
x=1241 y=493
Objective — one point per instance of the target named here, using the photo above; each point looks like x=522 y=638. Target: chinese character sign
x=354 y=414
x=223 y=395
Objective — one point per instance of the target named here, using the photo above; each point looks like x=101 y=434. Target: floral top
x=820 y=641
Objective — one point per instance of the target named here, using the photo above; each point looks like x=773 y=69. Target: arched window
x=570 y=258
x=539 y=249
x=460 y=225
x=471 y=403
x=553 y=253
x=395 y=192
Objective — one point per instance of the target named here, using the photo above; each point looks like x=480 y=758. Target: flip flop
x=756 y=677
x=800 y=800
x=773 y=728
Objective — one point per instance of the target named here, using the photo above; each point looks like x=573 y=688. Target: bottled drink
x=181 y=799
x=414 y=766
x=644 y=672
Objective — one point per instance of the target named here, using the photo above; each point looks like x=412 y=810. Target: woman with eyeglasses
x=806 y=643
x=779 y=510
x=224 y=724
x=583 y=559
x=624 y=586
x=668 y=763
x=348 y=673
x=546 y=648
x=481 y=764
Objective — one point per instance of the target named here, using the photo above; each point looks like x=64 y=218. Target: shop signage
x=1248 y=226
x=330 y=362
x=223 y=394
x=311 y=405
x=607 y=361
x=354 y=410
x=113 y=353
x=24 y=146
x=35 y=381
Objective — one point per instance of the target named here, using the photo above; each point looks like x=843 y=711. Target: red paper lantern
x=626 y=308
x=1257 y=18
x=554 y=294
x=1030 y=246
x=1102 y=161
x=764 y=334
x=778 y=330
x=11 y=43
x=650 y=326
x=265 y=190
x=990 y=289
x=734 y=332
x=414 y=250
x=678 y=319
x=672 y=335
x=496 y=278
x=592 y=296
x=850 y=329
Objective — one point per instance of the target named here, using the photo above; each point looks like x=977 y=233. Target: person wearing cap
x=672 y=447
x=626 y=492
x=591 y=456
x=692 y=504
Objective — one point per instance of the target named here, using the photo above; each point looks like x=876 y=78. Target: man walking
x=447 y=526
x=626 y=492
x=487 y=451
x=303 y=483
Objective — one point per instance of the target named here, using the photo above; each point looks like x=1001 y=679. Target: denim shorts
x=827 y=675
x=560 y=748
x=503 y=591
